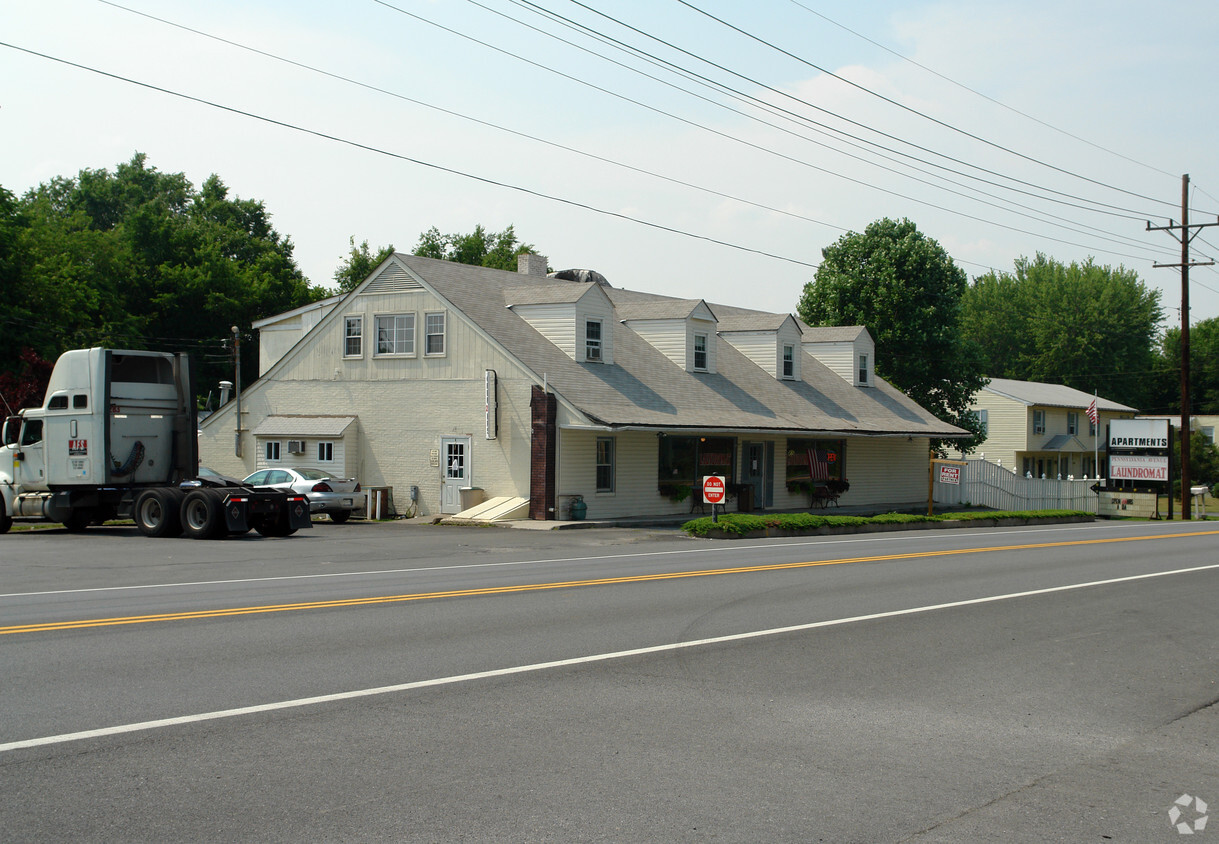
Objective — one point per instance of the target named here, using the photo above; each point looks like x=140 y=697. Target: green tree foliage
x=1203 y=370
x=1086 y=326
x=906 y=290
x=140 y=259
x=359 y=264
x=497 y=250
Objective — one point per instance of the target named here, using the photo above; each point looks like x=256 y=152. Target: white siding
x=761 y=347
x=668 y=336
x=557 y=323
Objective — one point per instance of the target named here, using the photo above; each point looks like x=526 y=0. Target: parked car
x=336 y=497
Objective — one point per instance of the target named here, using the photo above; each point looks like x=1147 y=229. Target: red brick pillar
x=543 y=454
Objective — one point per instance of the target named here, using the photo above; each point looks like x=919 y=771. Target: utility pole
x=1187 y=234
x=237 y=367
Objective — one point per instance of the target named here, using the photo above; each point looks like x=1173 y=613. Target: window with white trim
x=863 y=369
x=605 y=464
x=325 y=452
x=592 y=340
x=433 y=326
x=700 y=352
x=272 y=450
x=353 y=337
x=396 y=334
x=1072 y=422
x=1038 y=421
x=789 y=361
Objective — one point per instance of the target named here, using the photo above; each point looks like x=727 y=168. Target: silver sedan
x=336 y=497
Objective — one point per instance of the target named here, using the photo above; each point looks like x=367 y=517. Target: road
x=406 y=683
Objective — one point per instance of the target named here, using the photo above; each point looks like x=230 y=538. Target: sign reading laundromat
x=1138 y=450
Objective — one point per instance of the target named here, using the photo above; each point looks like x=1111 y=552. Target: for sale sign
x=713 y=489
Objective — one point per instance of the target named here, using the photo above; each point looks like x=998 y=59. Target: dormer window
x=700 y=352
x=863 y=369
x=592 y=340
x=789 y=361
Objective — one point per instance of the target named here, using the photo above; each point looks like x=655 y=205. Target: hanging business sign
x=1138 y=467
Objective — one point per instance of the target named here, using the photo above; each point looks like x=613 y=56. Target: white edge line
x=702 y=550
x=544 y=666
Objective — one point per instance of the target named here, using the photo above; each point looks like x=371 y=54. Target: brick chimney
x=528 y=263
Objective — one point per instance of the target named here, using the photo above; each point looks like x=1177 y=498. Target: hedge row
x=745 y=523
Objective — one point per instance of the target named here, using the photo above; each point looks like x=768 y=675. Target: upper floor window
x=863 y=369
x=434 y=334
x=325 y=452
x=353 y=337
x=982 y=417
x=1072 y=422
x=396 y=334
x=700 y=352
x=592 y=340
x=272 y=450
x=1038 y=421
x=789 y=361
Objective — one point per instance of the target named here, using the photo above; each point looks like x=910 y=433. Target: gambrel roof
x=643 y=388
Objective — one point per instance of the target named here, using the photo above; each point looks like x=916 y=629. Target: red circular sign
x=713 y=489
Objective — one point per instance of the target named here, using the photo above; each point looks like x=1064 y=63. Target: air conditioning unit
x=296 y=446
x=592 y=353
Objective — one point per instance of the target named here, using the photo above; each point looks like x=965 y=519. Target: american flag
x=1092 y=414
x=818 y=466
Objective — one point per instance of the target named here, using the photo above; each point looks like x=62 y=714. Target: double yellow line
x=566 y=584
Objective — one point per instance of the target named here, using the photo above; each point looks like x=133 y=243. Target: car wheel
x=203 y=514
x=340 y=516
x=158 y=512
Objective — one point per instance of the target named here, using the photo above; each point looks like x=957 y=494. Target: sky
x=703 y=149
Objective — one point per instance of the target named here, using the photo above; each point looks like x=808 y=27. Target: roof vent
x=587 y=276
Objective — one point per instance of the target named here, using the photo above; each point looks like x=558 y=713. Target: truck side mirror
x=12 y=430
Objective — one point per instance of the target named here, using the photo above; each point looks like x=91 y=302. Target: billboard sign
x=1138 y=435
x=1138 y=467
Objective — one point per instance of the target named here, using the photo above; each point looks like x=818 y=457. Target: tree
x=1203 y=370
x=1082 y=325
x=359 y=264
x=497 y=250
x=906 y=290
x=140 y=259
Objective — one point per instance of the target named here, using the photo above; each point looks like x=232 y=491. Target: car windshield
x=311 y=474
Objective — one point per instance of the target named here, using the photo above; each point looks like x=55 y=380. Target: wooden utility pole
x=1185 y=236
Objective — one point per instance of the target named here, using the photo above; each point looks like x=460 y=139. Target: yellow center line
x=567 y=584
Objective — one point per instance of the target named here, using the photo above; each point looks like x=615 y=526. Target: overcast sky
x=1002 y=129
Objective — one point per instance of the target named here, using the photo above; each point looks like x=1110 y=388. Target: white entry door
x=455 y=472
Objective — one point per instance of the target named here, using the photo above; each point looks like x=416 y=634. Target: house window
x=434 y=339
x=353 y=337
x=272 y=450
x=605 y=464
x=863 y=369
x=813 y=462
x=1091 y=427
x=396 y=334
x=592 y=340
x=325 y=452
x=982 y=417
x=684 y=461
x=700 y=352
x=789 y=361
x=1038 y=421
x=1072 y=423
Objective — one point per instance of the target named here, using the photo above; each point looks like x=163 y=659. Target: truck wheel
x=203 y=514
x=79 y=519
x=276 y=525
x=6 y=521
x=158 y=513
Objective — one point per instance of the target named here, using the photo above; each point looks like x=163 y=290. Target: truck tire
x=6 y=521
x=79 y=519
x=276 y=525
x=202 y=514
x=158 y=512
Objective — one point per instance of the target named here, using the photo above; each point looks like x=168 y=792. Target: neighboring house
x=1204 y=422
x=1043 y=430
x=537 y=389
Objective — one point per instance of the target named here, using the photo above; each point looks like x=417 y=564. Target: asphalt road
x=394 y=683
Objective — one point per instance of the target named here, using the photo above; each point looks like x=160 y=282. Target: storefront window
x=811 y=461
x=685 y=460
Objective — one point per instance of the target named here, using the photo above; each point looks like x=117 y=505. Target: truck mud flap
x=298 y=512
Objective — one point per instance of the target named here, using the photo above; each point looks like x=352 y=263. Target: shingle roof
x=303 y=426
x=1051 y=395
x=643 y=388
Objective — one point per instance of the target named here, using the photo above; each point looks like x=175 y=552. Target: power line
x=401 y=157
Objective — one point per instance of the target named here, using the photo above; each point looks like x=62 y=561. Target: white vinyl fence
x=986 y=484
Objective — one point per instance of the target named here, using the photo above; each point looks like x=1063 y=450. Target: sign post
x=713 y=492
